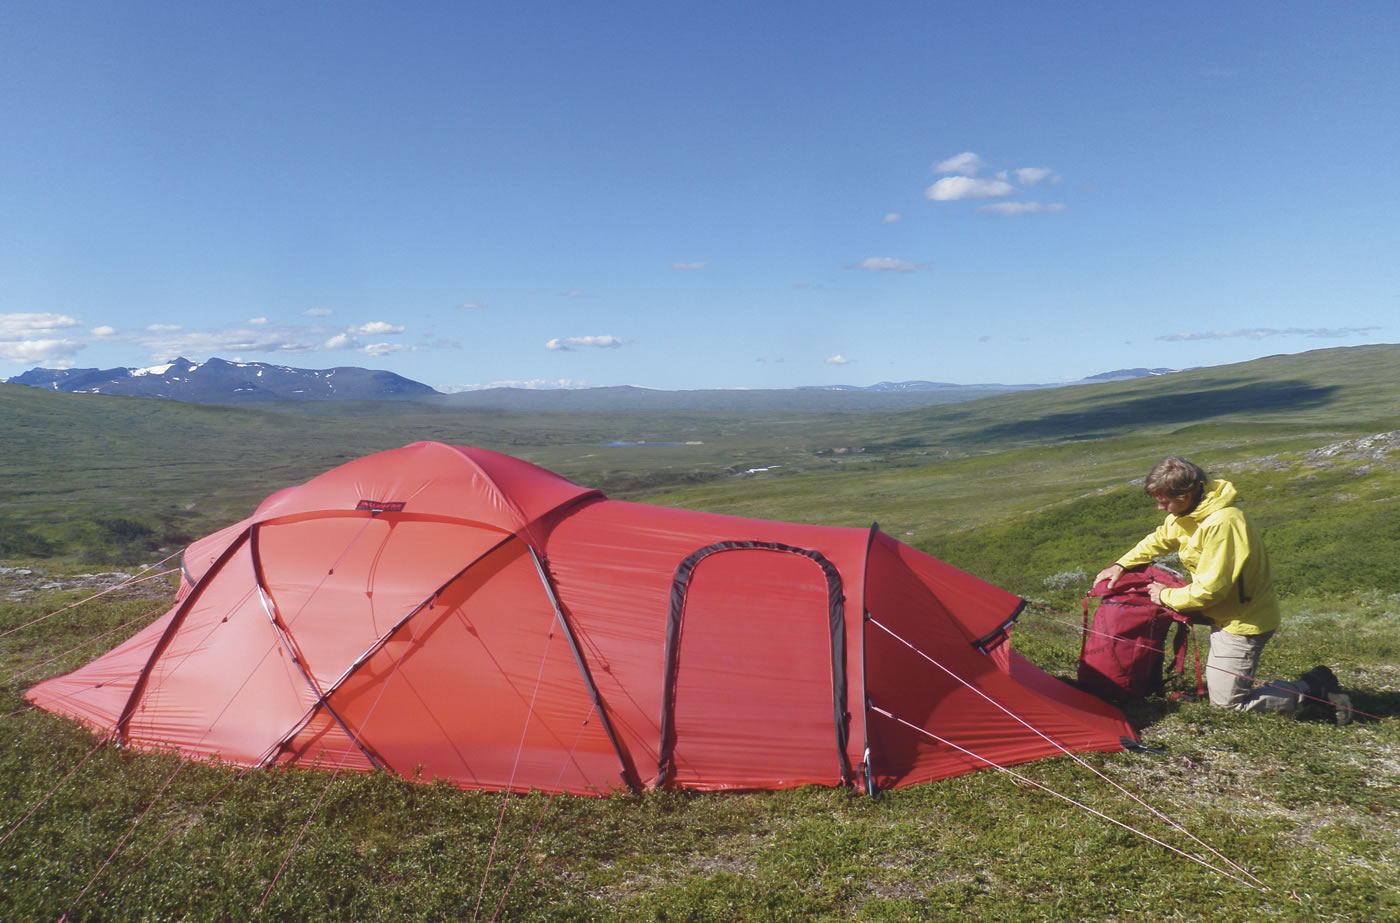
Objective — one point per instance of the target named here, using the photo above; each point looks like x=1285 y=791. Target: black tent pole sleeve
x=627 y=775
x=138 y=689
x=284 y=635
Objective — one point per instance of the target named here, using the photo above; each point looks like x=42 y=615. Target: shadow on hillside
x=1371 y=706
x=1112 y=418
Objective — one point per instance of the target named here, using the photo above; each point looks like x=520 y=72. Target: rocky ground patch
x=21 y=583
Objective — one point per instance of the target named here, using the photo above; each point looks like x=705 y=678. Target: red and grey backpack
x=1121 y=656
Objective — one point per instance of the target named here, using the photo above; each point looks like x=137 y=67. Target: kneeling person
x=1230 y=584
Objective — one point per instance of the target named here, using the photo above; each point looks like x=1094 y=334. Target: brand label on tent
x=380 y=506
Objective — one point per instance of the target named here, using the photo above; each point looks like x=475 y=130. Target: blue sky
x=720 y=195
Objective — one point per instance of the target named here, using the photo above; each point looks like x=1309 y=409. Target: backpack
x=1121 y=656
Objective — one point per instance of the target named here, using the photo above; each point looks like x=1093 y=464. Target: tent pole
x=583 y=669
x=139 y=688
x=294 y=651
x=384 y=639
x=866 y=768
x=393 y=629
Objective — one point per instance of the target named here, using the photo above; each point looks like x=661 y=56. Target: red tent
x=449 y=612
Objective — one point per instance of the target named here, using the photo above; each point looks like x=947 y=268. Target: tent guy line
x=568 y=757
x=506 y=799
x=50 y=793
x=430 y=575
x=57 y=657
x=515 y=766
x=1045 y=788
x=121 y=844
x=320 y=799
x=582 y=663
x=284 y=636
x=296 y=843
x=530 y=840
x=111 y=589
x=1074 y=756
x=106 y=863
x=182 y=823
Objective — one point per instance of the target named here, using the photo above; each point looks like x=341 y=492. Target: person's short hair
x=1176 y=477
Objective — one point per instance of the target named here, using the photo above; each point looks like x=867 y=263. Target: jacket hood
x=1218 y=495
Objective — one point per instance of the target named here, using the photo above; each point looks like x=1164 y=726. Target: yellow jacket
x=1229 y=567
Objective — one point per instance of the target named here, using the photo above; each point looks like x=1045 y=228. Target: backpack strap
x=1184 y=631
x=1084 y=634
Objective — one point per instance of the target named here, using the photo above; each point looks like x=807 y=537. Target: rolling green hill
x=161 y=472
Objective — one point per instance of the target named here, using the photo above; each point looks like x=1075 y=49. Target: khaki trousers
x=1230 y=671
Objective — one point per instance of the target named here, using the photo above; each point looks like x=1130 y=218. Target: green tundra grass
x=1034 y=491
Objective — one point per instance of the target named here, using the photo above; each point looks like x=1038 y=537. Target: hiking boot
x=1324 y=690
x=1341 y=704
x=1321 y=682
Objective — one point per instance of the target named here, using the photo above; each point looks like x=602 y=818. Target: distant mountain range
x=892 y=386
x=1125 y=374
x=221 y=382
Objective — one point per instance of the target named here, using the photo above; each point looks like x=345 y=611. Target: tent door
x=752 y=693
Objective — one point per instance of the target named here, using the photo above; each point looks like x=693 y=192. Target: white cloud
x=891 y=218
x=472 y=305
x=375 y=328
x=966 y=164
x=317 y=312
x=569 y=343
x=37 y=351
x=531 y=384
x=384 y=349
x=837 y=359
x=887 y=264
x=165 y=342
x=26 y=338
x=1029 y=176
x=1021 y=208
x=699 y=264
x=18 y=326
x=951 y=188
x=39 y=339
x=375 y=350
x=1259 y=333
x=571 y=293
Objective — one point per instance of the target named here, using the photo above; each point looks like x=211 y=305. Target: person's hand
x=1111 y=573
x=1154 y=592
